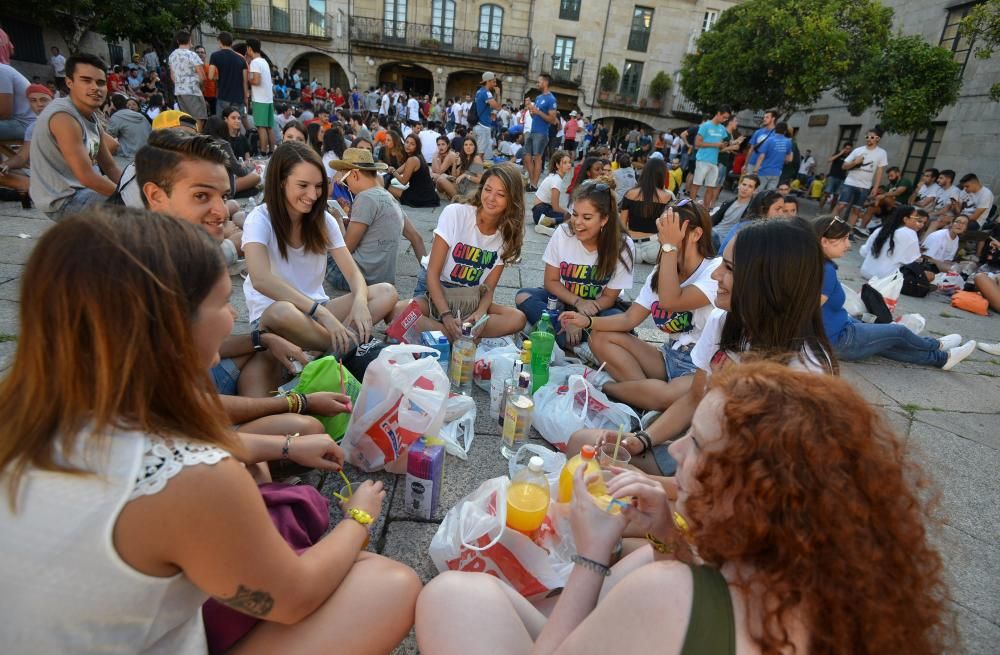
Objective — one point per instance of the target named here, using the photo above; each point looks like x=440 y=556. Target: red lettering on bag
x=498 y=561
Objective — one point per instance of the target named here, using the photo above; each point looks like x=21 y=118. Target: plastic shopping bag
x=474 y=537
x=401 y=399
x=324 y=374
x=561 y=411
x=488 y=351
x=890 y=287
x=915 y=322
x=459 y=427
x=552 y=463
x=852 y=301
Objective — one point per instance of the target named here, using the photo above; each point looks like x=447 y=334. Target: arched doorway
x=462 y=83
x=406 y=77
x=325 y=69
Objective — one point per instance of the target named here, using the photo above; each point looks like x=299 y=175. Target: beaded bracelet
x=288 y=444
x=305 y=403
x=588 y=563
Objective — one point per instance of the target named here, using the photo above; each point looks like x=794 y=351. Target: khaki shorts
x=705 y=173
x=193 y=105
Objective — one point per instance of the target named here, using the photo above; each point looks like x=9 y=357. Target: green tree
x=71 y=19
x=982 y=28
x=155 y=21
x=786 y=54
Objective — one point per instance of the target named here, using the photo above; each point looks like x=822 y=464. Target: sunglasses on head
x=686 y=201
x=591 y=185
x=836 y=219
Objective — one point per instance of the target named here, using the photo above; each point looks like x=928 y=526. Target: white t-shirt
x=384 y=105
x=945 y=196
x=683 y=328
x=302 y=270
x=982 y=199
x=428 y=144
x=413 y=109
x=59 y=65
x=862 y=176
x=806 y=166
x=880 y=264
x=553 y=181
x=472 y=255
x=578 y=266
x=939 y=245
x=707 y=349
x=928 y=191
x=263 y=92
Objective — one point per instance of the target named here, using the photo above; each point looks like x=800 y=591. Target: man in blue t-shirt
x=712 y=135
x=772 y=155
x=485 y=104
x=763 y=133
x=543 y=116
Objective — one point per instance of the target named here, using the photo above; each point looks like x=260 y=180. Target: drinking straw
x=618 y=441
x=349 y=489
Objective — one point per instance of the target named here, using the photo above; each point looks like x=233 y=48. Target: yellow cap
x=171 y=118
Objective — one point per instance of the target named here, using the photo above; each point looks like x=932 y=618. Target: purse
x=915 y=283
x=461 y=300
x=875 y=304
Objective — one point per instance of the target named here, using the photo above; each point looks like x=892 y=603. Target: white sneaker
x=991 y=348
x=547 y=231
x=956 y=355
x=547 y=221
x=951 y=341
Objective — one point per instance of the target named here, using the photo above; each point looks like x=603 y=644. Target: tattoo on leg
x=253 y=602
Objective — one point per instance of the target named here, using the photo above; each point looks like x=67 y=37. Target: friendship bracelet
x=590 y=322
x=312 y=312
x=305 y=403
x=596 y=567
x=288 y=444
x=288 y=399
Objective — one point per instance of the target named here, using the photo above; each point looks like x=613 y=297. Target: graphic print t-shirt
x=685 y=327
x=578 y=267
x=472 y=255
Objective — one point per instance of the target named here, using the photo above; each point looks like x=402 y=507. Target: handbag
x=461 y=300
x=875 y=304
x=915 y=283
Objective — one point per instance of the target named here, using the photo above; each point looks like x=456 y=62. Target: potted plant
x=659 y=86
x=609 y=76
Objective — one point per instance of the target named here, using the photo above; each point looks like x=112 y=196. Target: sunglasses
x=686 y=201
x=592 y=186
x=836 y=219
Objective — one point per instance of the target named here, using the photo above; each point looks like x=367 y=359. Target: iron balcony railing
x=636 y=98
x=418 y=37
x=562 y=70
x=295 y=22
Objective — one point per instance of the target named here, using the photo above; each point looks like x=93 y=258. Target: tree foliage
x=982 y=28
x=786 y=54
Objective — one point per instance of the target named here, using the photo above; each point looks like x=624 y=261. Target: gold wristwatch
x=668 y=247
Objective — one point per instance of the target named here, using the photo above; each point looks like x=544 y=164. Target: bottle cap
x=466 y=329
x=524 y=380
x=442 y=339
x=588 y=452
x=545 y=315
x=536 y=464
x=527 y=344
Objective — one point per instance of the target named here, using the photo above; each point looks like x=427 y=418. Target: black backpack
x=875 y=304
x=915 y=283
x=472 y=118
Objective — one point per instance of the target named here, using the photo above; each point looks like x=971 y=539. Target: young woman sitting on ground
x=894 y=244
x=797 y=527
x=766 y=205
x=472 y=245
x=642 y=206
x=854 y=340
x=680 y=295
x=588 y=261
x=468 y=173
x=286 y=241
x=245 y=177
x=767 y=305
x=551 y=206
x=415 y=176
x=445 y=161
x=590 y=169
x=294 y=131
x=121 y=478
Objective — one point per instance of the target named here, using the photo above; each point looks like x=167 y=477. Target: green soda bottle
x=545 y=324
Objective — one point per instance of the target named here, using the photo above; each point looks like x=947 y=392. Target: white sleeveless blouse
x=63 y=587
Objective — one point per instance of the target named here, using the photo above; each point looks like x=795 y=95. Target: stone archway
x=410 y=78
x=466 y=82
x=325 y=69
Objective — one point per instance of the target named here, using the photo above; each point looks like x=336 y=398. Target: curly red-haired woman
x=796 y=529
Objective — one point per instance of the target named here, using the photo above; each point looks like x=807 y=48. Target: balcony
x=263 y=18
x=563 y=73
x=435 y=40
x=639 y=100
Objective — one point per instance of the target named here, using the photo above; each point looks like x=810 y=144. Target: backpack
x=915 y=283
x=472 y=117
x=875 y=304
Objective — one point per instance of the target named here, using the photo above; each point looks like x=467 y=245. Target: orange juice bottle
x=528 y=497
x=585 y=458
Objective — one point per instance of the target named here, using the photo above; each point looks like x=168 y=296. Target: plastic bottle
x=463 y=358
x=528 y=497
x=585 y=458
x=545 y=324
x=517 y=416
x=525 y=366
x=522 y=365
x=436 y=340
x=541 y=354
x=424 y=470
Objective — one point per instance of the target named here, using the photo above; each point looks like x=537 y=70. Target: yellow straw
x=618 y=441
x=349 y=490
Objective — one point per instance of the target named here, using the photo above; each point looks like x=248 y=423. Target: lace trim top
x=164 y=458
x=642 y=214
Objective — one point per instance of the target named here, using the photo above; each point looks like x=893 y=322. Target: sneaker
x=547 y=221
x=951 y=341
x=547 y=231
x=956 y=355
x=861 y=232
x=991 y=348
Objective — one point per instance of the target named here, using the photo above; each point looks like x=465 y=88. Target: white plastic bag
x=401 y=399
x=489 y=360
x=474 y=537
x=553 y=463
x=852 y=301
x=915 y=322
x=459 y=428
x=562 y=410
x=890 y=287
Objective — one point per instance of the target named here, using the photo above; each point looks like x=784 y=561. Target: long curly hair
x=822 y=506
x=512 y=222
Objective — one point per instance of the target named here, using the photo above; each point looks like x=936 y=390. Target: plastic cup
x=606 y=456
x=868 y=318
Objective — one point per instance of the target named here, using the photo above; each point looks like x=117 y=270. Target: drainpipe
x=600 y=59
x=350 y=55
x=531 y=47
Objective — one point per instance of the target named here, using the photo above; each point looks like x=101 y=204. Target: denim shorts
x=853 y=195
x=225 y=375
x=832 y=185
x=535 y=143
x=664 y=460
x=677 y=361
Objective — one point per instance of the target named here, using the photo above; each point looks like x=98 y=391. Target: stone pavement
x=950 y=420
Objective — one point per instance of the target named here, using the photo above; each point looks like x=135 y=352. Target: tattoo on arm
x=249 y=601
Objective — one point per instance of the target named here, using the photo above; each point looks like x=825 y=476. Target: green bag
x=323 y=374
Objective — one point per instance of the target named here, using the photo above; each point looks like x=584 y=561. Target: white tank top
x=64 y=588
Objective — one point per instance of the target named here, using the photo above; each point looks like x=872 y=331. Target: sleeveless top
x=421 y=191
x=52 y=180
x=712 y=627
x=642 y=214
x=65 y=588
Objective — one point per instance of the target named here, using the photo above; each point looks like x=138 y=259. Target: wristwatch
x=255 y=340
x=361 y=516
x=668 y=247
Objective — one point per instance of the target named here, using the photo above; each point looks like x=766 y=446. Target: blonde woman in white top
x=124 y=507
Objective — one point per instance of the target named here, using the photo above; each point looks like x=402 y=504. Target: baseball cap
x=656 y=155
x=573 y=113
x=488 y=76
x=173 y=118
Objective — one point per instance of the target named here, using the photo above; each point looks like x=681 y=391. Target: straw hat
x=357 y=159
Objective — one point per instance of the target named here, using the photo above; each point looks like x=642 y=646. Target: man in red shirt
x=320 y=94
x=306 y=95
x=569 y=134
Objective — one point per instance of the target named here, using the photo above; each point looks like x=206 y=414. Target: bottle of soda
x=545 y=324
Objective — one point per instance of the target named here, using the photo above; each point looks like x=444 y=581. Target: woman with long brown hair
x=123 y=506
x=473 y=243
x=797 y=527
x=287 y=241
x=415 y=187
x=468 y=174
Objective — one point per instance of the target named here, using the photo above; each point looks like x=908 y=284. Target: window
x=243 y=15
x=642 y=22
x=562 y=53
x=631 y=77
x=849 y=134
x=279 y=16
x=443 y=21
x=116 y=54
x=709 y=21
x=490 y=26
x=29 y=44
x=923 y=151
x=394 y=21
x=569 y=9
x=317 y=17
x=951 y=37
